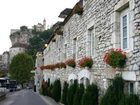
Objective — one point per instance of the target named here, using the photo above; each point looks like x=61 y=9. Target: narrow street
x=23 y=97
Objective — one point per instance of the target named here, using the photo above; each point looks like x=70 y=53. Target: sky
x=16 y=13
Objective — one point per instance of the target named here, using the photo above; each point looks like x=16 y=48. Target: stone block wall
x=103 y=17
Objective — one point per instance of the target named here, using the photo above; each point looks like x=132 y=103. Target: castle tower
x=44 y=24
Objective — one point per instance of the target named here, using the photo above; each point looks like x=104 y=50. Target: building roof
x=65 y=13
x=78 y=7
x=56 y=26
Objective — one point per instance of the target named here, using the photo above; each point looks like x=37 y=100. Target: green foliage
x=114 y=93
x=38 y=41
x=130 y=100
x=86 y=62
x=90 y=96
x=71 y=92
x=78 y=95
x=56 y=91
x=44 y=88
x=20 y=67
x=64 y=94
x=115 y=58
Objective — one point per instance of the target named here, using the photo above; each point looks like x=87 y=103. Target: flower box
x=86 y=62
x=71 y=63
x=115 y=58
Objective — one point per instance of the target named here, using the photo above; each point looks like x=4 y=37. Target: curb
x=2 y=96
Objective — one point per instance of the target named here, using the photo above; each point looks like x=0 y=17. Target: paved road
x=23 y=97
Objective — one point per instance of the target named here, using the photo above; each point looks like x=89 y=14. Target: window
x=74 y=47
x=131 y=88
x=93 y=42
x=85 y=81
x=65 y=54
x=124 y=29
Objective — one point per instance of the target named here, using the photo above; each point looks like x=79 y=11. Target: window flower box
x=71 y=63
x=116 y=58
x=86 y=62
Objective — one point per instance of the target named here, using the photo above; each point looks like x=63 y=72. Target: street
x=23 y=97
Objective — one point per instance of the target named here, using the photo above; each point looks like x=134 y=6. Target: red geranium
x=115 y=58
x=71 y=63
x=86 y=62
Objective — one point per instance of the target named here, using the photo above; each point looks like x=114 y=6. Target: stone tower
x=44 y=24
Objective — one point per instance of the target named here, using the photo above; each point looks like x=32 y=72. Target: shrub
x=50 y=88
x=71 y=92
x=71 y=63
x=90 y=96
x=43 y=89
x=114 y=93
x=78 y=95
x=64 y=94
x=115 y=58
x=86 y=62
x=130 y=100
x=56 y=91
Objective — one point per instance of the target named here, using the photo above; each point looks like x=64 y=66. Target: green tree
x=114 y=93
x=130 y=100
x=64 y=94
x=90 y=96
x=78 y=95
x=20 y=68
x=71 y=92
x=38 y=41
x=56 y=91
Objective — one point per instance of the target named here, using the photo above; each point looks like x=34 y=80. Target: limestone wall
x=103 y=17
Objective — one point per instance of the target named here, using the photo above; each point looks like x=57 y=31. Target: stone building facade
x=102 y=25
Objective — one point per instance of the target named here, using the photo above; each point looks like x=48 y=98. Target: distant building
x=40 y=27
x=5 y=58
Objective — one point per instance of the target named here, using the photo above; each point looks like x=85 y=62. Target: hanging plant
x=42 y=67
x=115 y=58
x=71 y=63
x=60 y=65
x=86 y=62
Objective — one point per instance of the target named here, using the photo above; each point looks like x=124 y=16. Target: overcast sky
x=16 y=13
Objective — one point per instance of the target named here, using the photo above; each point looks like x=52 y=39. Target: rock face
x=93 y=33
x=20 y=41
x=20 y=38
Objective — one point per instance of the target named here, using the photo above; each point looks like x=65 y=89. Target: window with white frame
x=92 y=42
x=124 y=23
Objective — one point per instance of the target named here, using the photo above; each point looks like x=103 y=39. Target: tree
x=56 y=91
x=129 y=100
x=71 y=92
x=114 y=93
x=78 y=95
x=90 y=97
x=38 y=41
x=64 y=94
x=20 y=68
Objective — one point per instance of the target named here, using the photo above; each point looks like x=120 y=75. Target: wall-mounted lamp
x=46 y=45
